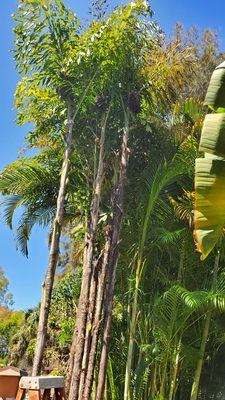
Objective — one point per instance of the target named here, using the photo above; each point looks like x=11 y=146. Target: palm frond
x=42 y=217
x=22 y=237
x=184 y=206
x=10 y=204
x=23 y=175
x=164 y=236
x=203 y=299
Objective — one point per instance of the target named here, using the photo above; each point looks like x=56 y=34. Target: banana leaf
x=215 y=96
x=209 y=203
x=213 y=134
x=209 y=213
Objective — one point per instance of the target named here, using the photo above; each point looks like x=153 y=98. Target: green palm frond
x=10 y=204
x=23 y=175
x=158 y=184
x=188 y=115
x=141 y=375
x=165 y=236
x=184 y=206
x=203 y=299
x=42 y=217
x=173 y=310
x=193 y=300
x=30 y=187
x=22 y=234
x=220 y=285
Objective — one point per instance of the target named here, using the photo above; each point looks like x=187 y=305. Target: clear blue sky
x=24 y=275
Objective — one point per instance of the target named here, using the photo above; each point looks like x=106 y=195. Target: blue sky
x=25 y=275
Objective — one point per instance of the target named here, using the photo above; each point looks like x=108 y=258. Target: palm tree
x=166 y=175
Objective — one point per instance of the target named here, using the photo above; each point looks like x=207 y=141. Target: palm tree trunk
x=54 y=249
x=77 y=349
x=205 y=334
x=117 y=206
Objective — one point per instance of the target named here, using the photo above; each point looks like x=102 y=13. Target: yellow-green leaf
x=213 y=134
x=209 y=202
x=215 y=96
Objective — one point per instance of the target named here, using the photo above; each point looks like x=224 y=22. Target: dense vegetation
x=129 y=311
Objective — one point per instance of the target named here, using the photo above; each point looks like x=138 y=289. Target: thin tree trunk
x=175 y=371
x=198 y=371
x=77 y=350
x=97 y=320
x=117 y=205
x=57 y=226
x=54 y=249
x=153 y=389
x=132 y=332
x=205 y=334
x=177 y=358
x=89 y=324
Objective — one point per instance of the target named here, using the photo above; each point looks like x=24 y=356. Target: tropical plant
x=44 y=54
x=209 y=175
x=120 y=81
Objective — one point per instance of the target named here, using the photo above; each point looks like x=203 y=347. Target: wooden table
x=39 y=387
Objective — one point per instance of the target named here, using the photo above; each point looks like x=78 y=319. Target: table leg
x=34 y=395
x=20 y=394
x=46 y=394
x=62 y=393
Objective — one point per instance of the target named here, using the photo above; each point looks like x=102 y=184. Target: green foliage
x=209 y=175
x=22 y=327
x=45 y=34
x=63 y=307
x=55 y=373
x=10 y=322
x=5 y=296
x=31 y=185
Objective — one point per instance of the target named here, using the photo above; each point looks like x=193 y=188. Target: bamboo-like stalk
x=94 y=287
x=178 y=348
x=54 y=248
x=89 y=323
x=117 y=206
x=132 y=330
x=175 y=371
x=205 y=335
x=57 y=226
x=97 y=319
x=165 y=364
x=77 y=350
x=153 y=383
